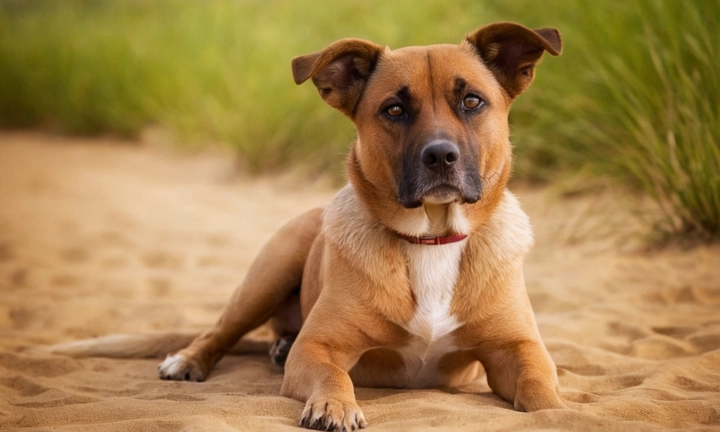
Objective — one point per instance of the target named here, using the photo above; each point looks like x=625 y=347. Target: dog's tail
x=147 y=345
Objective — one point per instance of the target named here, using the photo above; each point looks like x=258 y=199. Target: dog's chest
x=433 y=273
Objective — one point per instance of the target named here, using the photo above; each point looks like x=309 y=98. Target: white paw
x=180 y=368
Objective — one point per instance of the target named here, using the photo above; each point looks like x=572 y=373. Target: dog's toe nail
x=187 y=376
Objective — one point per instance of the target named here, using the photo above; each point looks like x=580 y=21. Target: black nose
x=440 y=156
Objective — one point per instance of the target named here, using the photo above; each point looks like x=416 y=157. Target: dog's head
x=432 y=121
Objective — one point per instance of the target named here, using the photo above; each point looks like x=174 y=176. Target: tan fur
x=359 y=280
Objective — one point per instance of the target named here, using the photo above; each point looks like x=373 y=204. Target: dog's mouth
x=442 y=193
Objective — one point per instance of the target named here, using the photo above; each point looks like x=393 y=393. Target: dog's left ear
x=511 y=51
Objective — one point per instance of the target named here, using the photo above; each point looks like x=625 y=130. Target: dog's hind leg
x=285 y=325
x=273 y=278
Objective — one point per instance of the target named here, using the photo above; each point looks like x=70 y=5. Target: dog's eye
x=471 y=102
x=395 y=111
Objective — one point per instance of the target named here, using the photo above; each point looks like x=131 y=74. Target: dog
x=412 y=277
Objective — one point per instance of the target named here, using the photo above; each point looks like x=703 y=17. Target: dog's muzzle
x=438 y=174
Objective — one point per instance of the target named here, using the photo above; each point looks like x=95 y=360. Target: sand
x=100 y=237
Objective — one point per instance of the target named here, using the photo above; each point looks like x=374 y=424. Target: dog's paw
x=279 y=350
x=534 y=395
x=330 y=414
x=180 y=368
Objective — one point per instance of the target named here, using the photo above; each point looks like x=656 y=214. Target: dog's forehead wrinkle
x=431 y=83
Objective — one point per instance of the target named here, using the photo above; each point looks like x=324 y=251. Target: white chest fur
x=433 y=272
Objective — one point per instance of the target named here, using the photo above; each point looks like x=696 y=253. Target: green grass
x=633 y=97
x=640 y=105
x=670 y=145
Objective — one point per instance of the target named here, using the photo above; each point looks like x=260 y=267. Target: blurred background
x=633 y=101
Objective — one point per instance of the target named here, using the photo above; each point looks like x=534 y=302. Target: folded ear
x=340 y=71
x=512 y=51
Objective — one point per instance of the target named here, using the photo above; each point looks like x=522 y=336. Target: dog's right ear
x=339 y=72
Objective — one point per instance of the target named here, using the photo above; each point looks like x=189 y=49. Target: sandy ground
x=98 y=237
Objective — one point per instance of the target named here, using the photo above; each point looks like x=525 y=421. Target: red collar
x=439 y=240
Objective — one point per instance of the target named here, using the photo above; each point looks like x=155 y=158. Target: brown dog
x=413 y=275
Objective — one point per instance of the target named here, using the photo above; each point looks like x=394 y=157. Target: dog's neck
x=440 y=220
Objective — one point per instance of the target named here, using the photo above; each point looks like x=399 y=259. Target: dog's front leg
x=271 y=279
x=522 y=372
x=316 y=372
x=506 y=340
